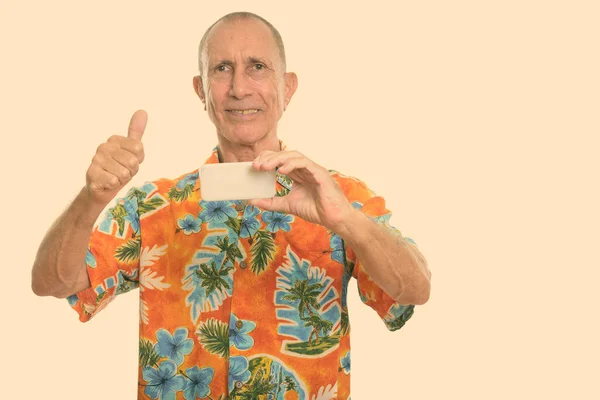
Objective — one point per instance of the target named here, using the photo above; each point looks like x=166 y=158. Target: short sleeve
x=112 y=259
x=393 y=314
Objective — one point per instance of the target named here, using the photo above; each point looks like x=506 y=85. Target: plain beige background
x=478 y=121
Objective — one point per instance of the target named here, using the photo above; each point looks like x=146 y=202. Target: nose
x=240 y=86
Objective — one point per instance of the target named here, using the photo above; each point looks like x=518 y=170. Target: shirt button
x=243 y=264
x=239 y=207
x=239 y=325
x=238 y=384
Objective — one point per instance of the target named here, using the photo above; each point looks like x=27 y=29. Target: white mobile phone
x=236 y=181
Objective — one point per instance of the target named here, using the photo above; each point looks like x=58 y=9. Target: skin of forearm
x=59 y=268
x=393 y=263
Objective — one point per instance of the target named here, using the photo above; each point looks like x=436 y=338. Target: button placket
x=243 y=206
x=240 y=207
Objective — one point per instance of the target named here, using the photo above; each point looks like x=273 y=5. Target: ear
x=291 y=83
x=199 y=89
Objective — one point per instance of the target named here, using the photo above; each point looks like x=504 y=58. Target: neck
x=243 y=152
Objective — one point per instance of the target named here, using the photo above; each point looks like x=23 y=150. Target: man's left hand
x=315 y=196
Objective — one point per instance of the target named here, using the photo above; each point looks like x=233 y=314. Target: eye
x=259 y=66
x=221 y=68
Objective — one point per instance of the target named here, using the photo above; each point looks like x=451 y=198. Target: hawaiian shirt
x=236 y=302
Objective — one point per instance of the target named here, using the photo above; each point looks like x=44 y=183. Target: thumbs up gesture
x=117 y=161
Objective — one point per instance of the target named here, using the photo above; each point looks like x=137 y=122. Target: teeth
x=244 y=112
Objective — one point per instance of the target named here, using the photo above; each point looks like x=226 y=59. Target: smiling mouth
x=244 y=112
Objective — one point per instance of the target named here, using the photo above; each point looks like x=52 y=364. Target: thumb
x=137 y=125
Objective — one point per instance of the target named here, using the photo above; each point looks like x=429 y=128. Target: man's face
x=244 y=86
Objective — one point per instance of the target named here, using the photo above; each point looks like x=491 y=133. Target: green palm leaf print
x=148 y=356
x=130 y=251
x=214 y=337
x=256 y=389
x=345 y=322
x=401 y=320
x=118 y=213
x=137 y=193
x=235 y=224
x=263 y=251
x=150 y=205
x=231 y=250
x=213 y=279
x=306 y=296
x=180 y=195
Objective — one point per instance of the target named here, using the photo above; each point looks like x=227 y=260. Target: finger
x=100 y=180
x=273 y=161
x=279 y=204
x=127 y=160
x=303 y=170
x=261 y=156
x=292 y=164
x=111 y=166
x=137 y=125
x=133 y=146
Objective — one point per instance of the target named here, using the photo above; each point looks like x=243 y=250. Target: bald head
x=236 y=16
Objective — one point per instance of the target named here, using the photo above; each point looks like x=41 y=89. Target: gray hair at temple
x=237 y=16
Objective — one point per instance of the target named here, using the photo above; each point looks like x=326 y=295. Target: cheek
x=216 y=95
x=276 y=97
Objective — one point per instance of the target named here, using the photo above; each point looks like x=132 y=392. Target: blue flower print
x=250 y=224
x=345 y=363
x=337 y=247
x=90 y=260
x=238 y=332
x=217 y=211
x=189 y=179
x=385 y=218
x=381 y=219
x=276 y=221
x=197 y=385
x=131 y=208
x=164 y=382
x=72 y=299
x=189 y=224
x=175 y=347
x=357 y=205
x=238 y=371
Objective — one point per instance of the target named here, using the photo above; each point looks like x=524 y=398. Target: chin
x=246 y=136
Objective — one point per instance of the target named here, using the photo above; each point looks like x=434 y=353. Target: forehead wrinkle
x=238 y=34
x=238 y=18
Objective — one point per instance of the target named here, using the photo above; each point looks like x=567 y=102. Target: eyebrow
x=249 y=60
x=254 y=60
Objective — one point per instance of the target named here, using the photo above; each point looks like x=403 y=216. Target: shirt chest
x=214 y=257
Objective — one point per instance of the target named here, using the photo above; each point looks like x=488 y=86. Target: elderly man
x=238 y=299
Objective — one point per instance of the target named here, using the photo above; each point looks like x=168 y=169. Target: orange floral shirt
x=236 y=302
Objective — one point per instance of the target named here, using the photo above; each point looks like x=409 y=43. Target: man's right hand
x=117 y=161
